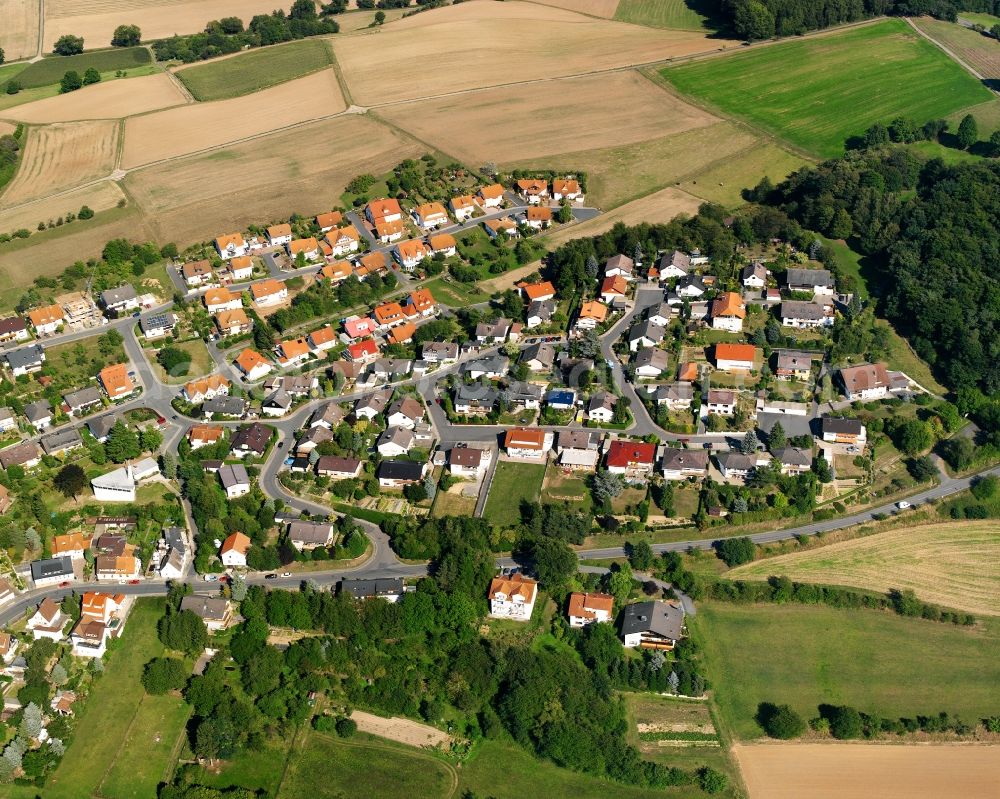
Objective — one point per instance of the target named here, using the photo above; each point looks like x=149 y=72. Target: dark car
x=270 y=576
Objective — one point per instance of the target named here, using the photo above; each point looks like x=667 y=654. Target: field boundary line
x=952 y=55
x=339 y=73
x=394 y=127
x=97 y=790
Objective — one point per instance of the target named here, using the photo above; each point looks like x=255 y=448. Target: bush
x=68 y=45
x=70 y=82
x=780 y=721
x=986 y=488
x=710 y=780
x=845 y=721
x=164 y=674
x=346 y=727
x=85 y=212
x=735 y=551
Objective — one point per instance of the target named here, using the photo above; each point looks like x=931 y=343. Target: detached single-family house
x=566 y=189
x=279 y=235
x=492 y=367
x=793 y=366
x=239 y=268
x=395 y=442
x=644 y=334
x=233 y=551
x=443 y=244
x=390 y=589
x=490 y=196
x=475 y=399
x=39 y=413
x=336 y=272
x=805 y=314
x=539 y=357
x=651 y=362
x=493 y=332
x=310 y=535
x=735 y=357
x=371 y=406
x=231 y=246
x=674 y=265
x=363 y=351
x=25 y=360
x=439 y=352
x=338 y=468
x=395 y=474
x=388 y=232
x=307 y=248
x=676 y=396
x=61 y=441
x=341 y=241
x=235 y=480
x=8 y=421
x=215 y=612
x=291 y=352
x=72 y=545
x=26 y=454
x=206 y=388
x=204 y=435
x=405 y=412
x=793 y=460
x=120 y=300
x=534 y=190
x=48 y=620
x=728 y=312
x=268 y=293
x=462 y=207
x=540 y=312
x=430 y=215
x=157 y=325
x=721 y=402
x=13 y=328
x=411 y=253
x=512 y=597
x=652 y=625
x=680 y=464
x=815 y=281
x=691 y=287
x=589 y=608
x=420 y=303
x=327 y=416
x=383 y=210
x=322 y=340
x=116 y=381
x=360 y=327
x=222 y=299
x=591 y=315
x=754 y=276
x=620 y=265
x=868 y=381
x=251 y=439
x=198 y=273
x=843 y=431
x=388 y=314
x=233 y=323
x=528 y=443
x=601 y=407
x=329 y=220
x=538 y=291
x=538 y=217
x=233 y=407
x=466 y=461
x=735 y=465
x=506 y=225
x=252 y=364
x=632 y=459
x=47 y=319
x=614 y=288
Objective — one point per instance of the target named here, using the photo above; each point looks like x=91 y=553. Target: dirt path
x=405 y=731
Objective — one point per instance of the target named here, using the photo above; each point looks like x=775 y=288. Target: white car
x=903 y=505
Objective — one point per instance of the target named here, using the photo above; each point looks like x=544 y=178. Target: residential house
x=25 y=360
x=439 y=352
x=239 y=268
x=411 y=253
x=443 y=244
x=793 y=366
x=388 y=314
x=233 y=323
x=405 y=412
x=206 y=388
x=566 y=189
x=388 y=232
x=721 y=402
x=728 y=312
x=117 y=485
x=341 y=242
x=382 y=211
x=390 y=589
x=494 y=227
x=215 y=612
x=735 y=357
x=198 y=273
x=462 y=207
x=754 y=276
x=843 y=431
x=329 y=220
x=39 y=413
x=362 y=351
x=540 y=312
x=466 y=461
x=591 y=315
x=538 y=291
x=312 y=438
x=736 y=465
x=430 y=215
x=52 y=571
x=338 y=468
x=662 y=314
x=251 y=439
x=8 y=650
x=371 y=406
x=310 y=535
x=579 y=450
x=420 y=303
x=157 y=325
x=524 y=396
x=676 y=396
x=89 y=638
x=100 y=426
x=589 y=608
x=233 y=551
x=490 y=196
x=691 y=287
x=292 y=352
x=805 y=314
x=116 y=381
x=620 y=266
x=395 y=442
x=204 y=435
x=268 y=293
x=172 y=550
x=492 y=367
x=527 y=443
x=614 y=288
x=358 y=327
x=680 y=464
x=866 y=382
x=337 y=272
x=235 y=480
x=5 y=503
x=651 y=362
x=631 y=459
x=222 y=299
x=644 y=334
x=252 y=364
x=13 y=328
x=371 y=263
x=534 y=190
x=47 y=319
x=72 y=545
x=674 y=265
x=26 y=454
x=61 y=441
x=8 y=421
x=47 y=621
x=231 y=246
x=512 y=597
x=814 y=281
x=233 y=407
x=493 y=332
x=328 y=416
x=538 y=218
x=396 y=474
x=475 y=399
x=793 y=460
x=561 y=399
x=652 y=625
x=279 y=235
x=121 y=300
x=307 y=248
x=539 y=357
x=601 y=407
x=322 y=340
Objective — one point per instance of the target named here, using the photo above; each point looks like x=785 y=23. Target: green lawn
x=51 y=68
x=252 y=770
x=512 y=483
x=255 y=70
x=816 y=93
x=680 y=14
x=873 y=660
x=364 y=768
x=455 y=294
x=986 y=20
x=201 y=362
x=114 y=745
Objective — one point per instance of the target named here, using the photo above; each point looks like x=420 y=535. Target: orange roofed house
x=234 y=550
x=613 y=288
x=420 y=303
x=231 y=245
x=72 y=544
x=203 y=435
x=528 y=443
x=336 y=272
x=383 y=211
x=329 y=220
x=401 y=334
x=728 y=312
x=343 y=240
x=389 y=314
x=240 y=268
x=411 y=253
x=538 y=291
x=292 y=351
x=252 y=364
x=586 y=609
x=463 y=206
x=116 y=381
x=567 y=189
x=430 y=215
x=512 y=597
x=443 y=243
x=490 y=196
x=207 y=388
x=389 y=232
x=591 y=315
x=279 y=235
x=538 y=218
x=323 y=339
x=735 y=357
x=268 y=292
x=218 y=300
x=534 y=190
x=47 y=319
x=233 y=323
x=372 y=262
x=307 y=248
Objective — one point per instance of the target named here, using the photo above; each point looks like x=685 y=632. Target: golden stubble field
x=953 y=564
x=483 y=43
x=597 y=8
x=18 y=28
x=96 y=20
x=112 y=100
x=60 y=156
x=193 y=128
x=510 y=123
x=867 y=771
x=305 y=170
x=97 y=196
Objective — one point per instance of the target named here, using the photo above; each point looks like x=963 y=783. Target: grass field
x=51 y=69
x=255 y=70
x=595 y=8
x=252 y=770
x=455 y=294
x=98 y=197
x=876 y=661
x=723 y=182
x=107 y=100
x=982 y=53
x=986 y=20
x=200 y=365
x=61 y=156
x=512 y=483
x=364 y=768
x=615 y=109
x=901 y=356
x=951 y=564
x=116 y=730
x=680 y=14
x=450 y=503
x=818 y=92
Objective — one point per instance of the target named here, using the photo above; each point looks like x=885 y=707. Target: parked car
x=270 y=576
x=903 y=505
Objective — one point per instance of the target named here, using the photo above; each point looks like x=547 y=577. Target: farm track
x=954 y=56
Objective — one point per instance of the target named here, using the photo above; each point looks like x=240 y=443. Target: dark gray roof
x=279 y=399
x=251 y=437
x=792 y=456
x=485 y=396
x=544 y=353
x=365 y=589
x=659 y=618
x=37 y=410
x=83 y=397
x=543 y=309
x=522 y=391
x=61 y=440
x=651 y=356
x=400 y=470
x=157 y=322
x=491 y=363
x=675 y=459
x=646 y=330
x=32 y=355
x=736 y=461
x=102 y=425
x=121 y=294
x=310 y=532
x=205 y=607
x=675 y=391
x=579 y=439
x=809 y=277
x=233 y=475
x=796 y=309
x=227 y=406
x=833 y=424
x=174 y=536
x=52 y=567
x=331 y=414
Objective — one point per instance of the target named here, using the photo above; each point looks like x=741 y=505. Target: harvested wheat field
x=982 y=53
x=305 y=170
x=480 y=44
x=96 y=20
x=7 y=128
x=19 y=31
x=61 y=156
x=596 y=8
x=182 y=131
x=98 y=197
x=866 y=771
x=112 y=100
x=662 y=206
x=540 y=119
x=952 y=564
